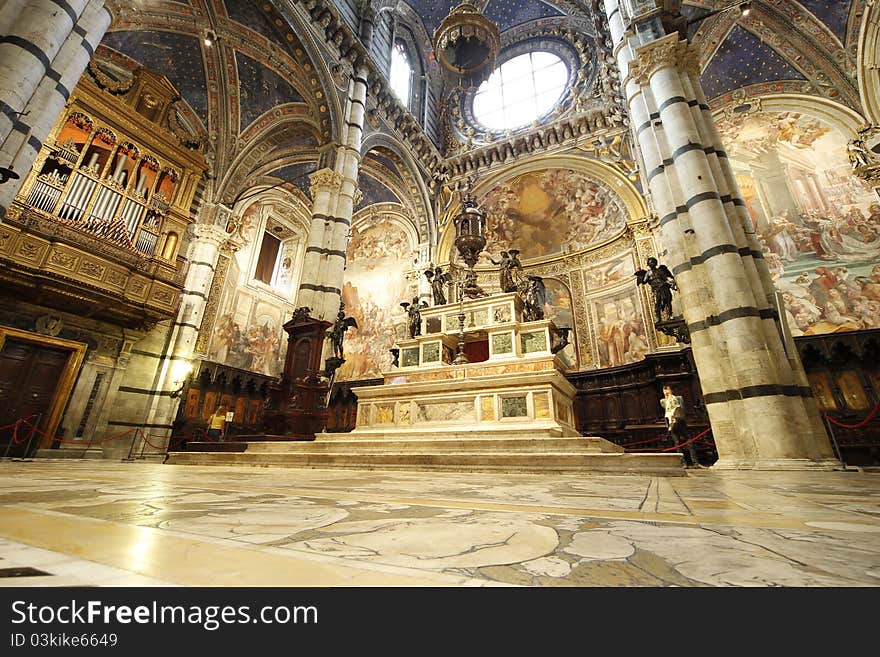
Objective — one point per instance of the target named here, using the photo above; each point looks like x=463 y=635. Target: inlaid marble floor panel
x=109 y=523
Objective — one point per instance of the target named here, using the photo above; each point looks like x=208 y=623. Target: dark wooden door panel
x=29 y=375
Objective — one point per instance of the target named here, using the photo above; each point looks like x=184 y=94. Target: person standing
x=673 y=407
x=217 y=423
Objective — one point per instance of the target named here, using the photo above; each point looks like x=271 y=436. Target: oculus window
x=521 y=90
x=401 y=74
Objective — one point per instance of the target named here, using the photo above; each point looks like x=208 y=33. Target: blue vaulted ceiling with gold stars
x=805 y=46
x=260 y=79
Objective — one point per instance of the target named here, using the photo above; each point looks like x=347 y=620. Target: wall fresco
x=620 y=329
x=819 y=226
x=545 y=213
x=610 y=271
x=378 y=255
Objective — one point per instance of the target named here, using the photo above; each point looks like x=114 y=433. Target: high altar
x=519 y=390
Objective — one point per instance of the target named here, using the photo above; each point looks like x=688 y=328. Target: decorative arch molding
x=254 y=154
x=394 y=213
x=842 y=117
x=868 y=63
x=596 y=170
x=285 y=204
x=409 y=171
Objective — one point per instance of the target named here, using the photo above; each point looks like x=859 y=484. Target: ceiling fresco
x=297 y=174
x=247 y=14
x=504 y=13
x=811 y=40
x=374 y=191
x=834 y=13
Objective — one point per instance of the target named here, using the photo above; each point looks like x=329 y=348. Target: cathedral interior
x=432 y=265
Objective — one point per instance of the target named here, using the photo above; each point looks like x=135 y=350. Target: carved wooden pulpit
x=296 y=408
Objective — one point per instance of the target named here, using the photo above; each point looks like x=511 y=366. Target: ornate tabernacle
x=512 y=384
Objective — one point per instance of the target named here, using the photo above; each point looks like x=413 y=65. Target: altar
x=516 y=389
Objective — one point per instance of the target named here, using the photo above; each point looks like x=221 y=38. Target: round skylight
x=521 y=90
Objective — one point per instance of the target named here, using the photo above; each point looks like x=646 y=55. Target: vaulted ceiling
x=805 y=46
x=266 y=100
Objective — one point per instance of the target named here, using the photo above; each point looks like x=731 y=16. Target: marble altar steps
x=452 y=454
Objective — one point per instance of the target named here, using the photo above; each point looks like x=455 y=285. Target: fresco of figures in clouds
x=620 y=329
x=379 y=254
x=545 y=213
x=610 y=271
x=819 y=225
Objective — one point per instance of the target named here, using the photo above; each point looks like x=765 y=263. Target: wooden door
x=29 y=376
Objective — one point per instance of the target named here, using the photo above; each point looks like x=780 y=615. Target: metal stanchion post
x=834 y=441
x=12 y=438
x=27 y=449
x=130 y=456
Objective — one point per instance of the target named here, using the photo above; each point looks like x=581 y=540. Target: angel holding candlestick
x=662 y=284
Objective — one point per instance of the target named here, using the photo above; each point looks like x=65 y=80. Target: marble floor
x=107 y=523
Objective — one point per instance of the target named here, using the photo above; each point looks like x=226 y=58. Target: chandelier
x=466 y=45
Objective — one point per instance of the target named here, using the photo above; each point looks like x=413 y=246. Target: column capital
x=668 y=51
x=324 y=180
x=209 y=233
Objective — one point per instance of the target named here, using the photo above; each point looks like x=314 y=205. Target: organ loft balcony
x=96 y=228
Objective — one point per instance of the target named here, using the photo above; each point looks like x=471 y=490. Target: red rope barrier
x=860 y=424
x=644 y=442
x=79 y=442
x=687 y=442
x=25 y=422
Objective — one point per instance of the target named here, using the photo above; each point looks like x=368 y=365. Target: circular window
x=521 y=90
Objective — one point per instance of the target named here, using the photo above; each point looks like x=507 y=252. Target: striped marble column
x=171 y=367
x=23 y=142
x=325 y=184
x=760 y=405
x=334 y=197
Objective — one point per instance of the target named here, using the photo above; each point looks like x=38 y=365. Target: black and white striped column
x=759 y=401
x=153 y=378
x=334 y=194
x=43 y=52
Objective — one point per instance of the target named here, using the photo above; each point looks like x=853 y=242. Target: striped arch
x=418 y=192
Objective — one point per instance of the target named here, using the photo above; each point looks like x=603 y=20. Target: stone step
x=512 y=462
x=437 y=445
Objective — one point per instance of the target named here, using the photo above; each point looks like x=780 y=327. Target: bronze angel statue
x=438 y=279
x=534 y=295
x=662 y=284
x=414 y=316
x=337 y=331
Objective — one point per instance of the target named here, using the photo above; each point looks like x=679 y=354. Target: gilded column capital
x=668 y=51
x=324 y=180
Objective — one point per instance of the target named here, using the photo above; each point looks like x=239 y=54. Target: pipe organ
x=112 y=173
x=100 y=217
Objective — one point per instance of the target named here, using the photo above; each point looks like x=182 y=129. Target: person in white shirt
x=673 y=407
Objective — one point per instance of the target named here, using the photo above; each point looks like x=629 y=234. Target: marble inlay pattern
x=105 y=523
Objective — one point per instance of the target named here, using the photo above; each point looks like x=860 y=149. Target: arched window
x=401 y=74
x=521 y=90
